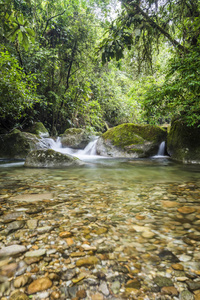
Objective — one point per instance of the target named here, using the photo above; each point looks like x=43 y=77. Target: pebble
x=12 y=250
x=93 y=240
x=39 y=285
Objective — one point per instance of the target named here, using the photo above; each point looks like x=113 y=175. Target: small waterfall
x=161 y=150
x=89 y=150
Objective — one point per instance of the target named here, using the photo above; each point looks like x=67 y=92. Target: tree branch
x=51 y=19
x=174 y=42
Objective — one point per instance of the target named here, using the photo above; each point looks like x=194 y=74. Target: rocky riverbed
x=66 y=237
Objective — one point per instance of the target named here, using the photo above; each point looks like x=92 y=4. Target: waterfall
x=89 y=150
x=161 y=150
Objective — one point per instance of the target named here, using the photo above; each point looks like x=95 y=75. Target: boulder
x=130 y=140
x=17 y=144
x=76 y=138
x=50 y=159
x=39 y=129
x=183 y=143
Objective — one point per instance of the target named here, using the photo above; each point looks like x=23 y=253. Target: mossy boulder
x=39 y=129
x=50 y=159
x=183 y=143
x=17 y=144
x=76 y=138
x=131 y=140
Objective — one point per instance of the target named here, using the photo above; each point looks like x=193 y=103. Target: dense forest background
x=97 y=63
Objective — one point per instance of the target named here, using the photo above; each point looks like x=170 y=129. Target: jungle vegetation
x=97 y=63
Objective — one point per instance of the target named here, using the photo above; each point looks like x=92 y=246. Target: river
x=140 y=220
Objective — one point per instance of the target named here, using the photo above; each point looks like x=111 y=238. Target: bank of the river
x=128 y=231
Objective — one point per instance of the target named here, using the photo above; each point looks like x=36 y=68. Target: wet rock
x=21 y=281
x=186 y=295
x=32 y=224
x=39 y=285
x=81 y=294
x=35 y=253
x=14 y=226
x=17 y=144
x=97 y=296
x=193 y=285
x=17 y=295
x=131 y=140
x=169 y=290
x=186 y=210
x=76 y=138
x=50 y=159
x=115 y=287
x=133 y=283
x=12 y=250
x=104 y=288
x=182 y=144
x=38 y=128
x=55 y=295
x=89 y=261
x=32 y=260
x=168 y=256
x=68 y=275
x=65 y=234
x=163 y=281
x=9 y=270
x=178 y=267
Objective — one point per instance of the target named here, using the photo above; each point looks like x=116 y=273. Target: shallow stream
x=142 y=216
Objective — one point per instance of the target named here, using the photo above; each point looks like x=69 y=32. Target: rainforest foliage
x=77 y=63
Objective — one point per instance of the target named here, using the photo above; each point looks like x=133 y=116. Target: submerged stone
x=50 y=159
x=40 y=284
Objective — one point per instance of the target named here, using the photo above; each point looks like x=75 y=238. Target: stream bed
x=111 y=229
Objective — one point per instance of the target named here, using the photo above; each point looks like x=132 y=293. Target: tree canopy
x=69 y=64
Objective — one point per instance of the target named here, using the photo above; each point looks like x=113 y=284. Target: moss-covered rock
x=39 y=129
x=76 y=138
x=131 y=140
x=183 y=143
x=17 y=144
x=50 y=159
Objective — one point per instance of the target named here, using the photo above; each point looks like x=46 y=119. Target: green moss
x=128 y=134
x=183 y=142
x=38 y=128
x=74 y=131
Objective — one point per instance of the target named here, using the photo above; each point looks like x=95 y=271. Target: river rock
x=14 y=226
x=182 y=142
x=21 y=281
x=50 y=159
x=186 y=295
x=163 y=281
x=88 y=261
x=38 y=128
x=76 y=138
x=17 y=295
x=12 y=250
x=40 y=284
x=130 y=140
x=35 y=253
x=17 y=144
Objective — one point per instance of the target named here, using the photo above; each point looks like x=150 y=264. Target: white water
x=161 y=151
x=88 y=152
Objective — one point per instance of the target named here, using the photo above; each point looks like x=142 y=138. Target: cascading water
x=161 y=150
x=88 y=151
